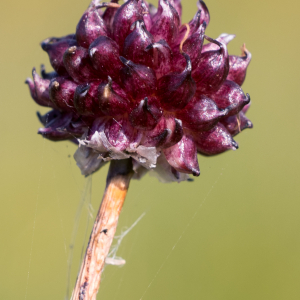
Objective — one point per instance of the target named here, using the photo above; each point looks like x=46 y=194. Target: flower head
x=133 y=82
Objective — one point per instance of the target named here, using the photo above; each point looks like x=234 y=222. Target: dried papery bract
x=133 y=84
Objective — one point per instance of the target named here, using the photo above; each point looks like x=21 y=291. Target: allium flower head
x=134 y=82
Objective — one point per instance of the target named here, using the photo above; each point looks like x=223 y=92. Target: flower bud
x=138 y=81
x=61 y=92
x=85 y=99
x=176 y=90
x=215 y=141
x=55 y=48
x=78 y=65
x=166 y=22
x=104 y=54
x=205 y=17
x=90 y=27
x=183 y=156
x=127 y=14
x=230 y=96
x=108 y=16
x=113 y=101
x=212 y=69
x=136 y=43
x=146 y=115
x=238 y=66
x=236 y=124
x=201 y=114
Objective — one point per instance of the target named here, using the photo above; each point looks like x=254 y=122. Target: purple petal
x=235 y=124
x=162 y=58
x=46 y=75
x=109 y=14
x=212 y=69
x=127 y=14
x=86 y=99
x=90 y=27
x=224 y=38
x=62 y=92
x=166 y=22
x=55 y=48
x=183 y=156
x=146 y=15
x=146 y=115
x=139 y=81
x=214 y=141
x=205 y=17
x=104 y=54
x=112 y=100
x=201 y=114
x=176 y=90
x=78 y=65
x=230 y=96
x=238 y=67
x=136 y=43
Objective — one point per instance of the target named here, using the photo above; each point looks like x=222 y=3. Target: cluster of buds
x=133 y=82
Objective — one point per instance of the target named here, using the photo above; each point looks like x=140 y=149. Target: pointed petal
x=138 y=81
x=212 y=69
x=136 y=43
x=201 y=114
x=146 y=115
x=127 y=14
x=183 y=156
x=238 y=66
x=224 y=38
x=146 y=15
x=166 y=22
x=109 y=14
x=104 y=54
x=236 y=124
x=78 y=65
x=55 y=48
x=112 y=100
x=214 y=141
x=86 y=99
x=46 y=75
x=90 y=27
x=230 y=96
x=176 y=90
x=205 y=17
x=62 y=92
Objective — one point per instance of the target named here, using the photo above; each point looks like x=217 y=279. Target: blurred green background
x=235 y=229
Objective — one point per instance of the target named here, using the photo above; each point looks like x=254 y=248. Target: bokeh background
x=231 y=234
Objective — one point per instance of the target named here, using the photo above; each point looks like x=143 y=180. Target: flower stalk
x=117 y=184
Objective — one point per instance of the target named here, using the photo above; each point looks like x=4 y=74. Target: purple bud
x=55 y=48
x=205 y=17
x=212 y=69
x=192 y=47
x=224 y=38
x=177 y=5
x=112 y=100
x=78 y=65
x=109 y=14
x=215 y=141
x=201 y=114
x=61 y=92
x=119 y=133
x=230 y=96
x=90 y=27
x=46 y=75
x=165 y=22
x=167 y=133
x=136 y=43
x=162 y=57
x=176 y=90
x=104 y=54
x=39 y=89
x=246 y=107
x=146 y=15
x=236 y=124
x=146 y=115
x=139 y=81
x=238 y=66
x=85 y=99
x=183 y=156
x=127 y=14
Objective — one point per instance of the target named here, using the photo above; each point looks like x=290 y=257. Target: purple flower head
x=133 y=82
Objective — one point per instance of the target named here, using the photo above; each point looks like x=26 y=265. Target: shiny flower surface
x=133 y=82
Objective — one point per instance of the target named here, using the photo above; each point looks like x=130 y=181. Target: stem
x=117 y=184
